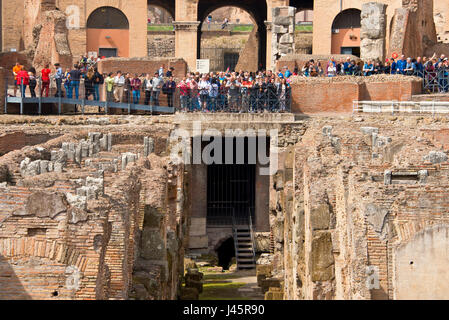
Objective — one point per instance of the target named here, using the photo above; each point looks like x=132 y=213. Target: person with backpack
x=32 y=82
x=98 y=81
x=213 y=94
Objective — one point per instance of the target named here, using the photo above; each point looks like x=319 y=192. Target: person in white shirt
x=203 y=87
x=119 y=84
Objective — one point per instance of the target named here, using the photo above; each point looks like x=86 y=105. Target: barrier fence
x=81 y=94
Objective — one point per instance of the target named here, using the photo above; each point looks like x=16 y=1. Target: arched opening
x=231 y=45
x=160 y=30
x=158 y=15
x=108 y=33
x=225 y=252
x=346 y=33
x=304 y=31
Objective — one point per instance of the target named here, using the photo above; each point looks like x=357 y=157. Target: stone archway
x=258 y=13
x=346 y=33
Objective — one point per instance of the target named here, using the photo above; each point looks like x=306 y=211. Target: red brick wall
x=316 y=97
x=313 y=97
x=401 y=91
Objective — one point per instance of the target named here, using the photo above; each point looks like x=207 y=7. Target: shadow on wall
x=10 y=286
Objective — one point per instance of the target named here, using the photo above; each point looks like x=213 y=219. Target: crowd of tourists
x=215 y=91
x=404 y=66
x=209 y=92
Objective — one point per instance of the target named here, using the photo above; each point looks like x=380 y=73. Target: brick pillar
x=282 y=33
x=373 y=31
x=186 y=39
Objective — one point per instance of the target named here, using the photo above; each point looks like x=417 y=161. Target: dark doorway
x=230 y=194
x=225 y=253
x=108 y=52
x=351 y=50
x=230 y=60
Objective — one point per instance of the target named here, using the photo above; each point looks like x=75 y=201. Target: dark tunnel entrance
x=225 y=253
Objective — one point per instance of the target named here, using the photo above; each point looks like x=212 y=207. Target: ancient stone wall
x=94 y=216
x=283 y=33
x=359 y=225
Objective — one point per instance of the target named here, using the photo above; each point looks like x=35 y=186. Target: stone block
x=286 y=38
x=153 y=218
x=198 y=242
x=153 y=246
x=198 y=227
x=320 y=217
x=321 y=257
x=436 y=157
x=43 y=205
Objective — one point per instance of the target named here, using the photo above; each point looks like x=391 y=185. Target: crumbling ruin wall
x=45 y=34
x=413 y=31
x=90 y=216
x=247 y=59
x=372 y=195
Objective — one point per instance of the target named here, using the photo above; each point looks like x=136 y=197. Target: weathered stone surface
x=153 y=246
x=4 y=173
x=320 y=217
x=76 y=215
x=436 y=157
x=43 y=205
x=322 y=259
x=375 y=215
x=372 y=34
x=153 y=217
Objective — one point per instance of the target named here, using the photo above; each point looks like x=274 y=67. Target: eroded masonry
x=96 y=208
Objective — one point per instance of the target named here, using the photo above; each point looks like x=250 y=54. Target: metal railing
x=82 y=94
x=251 y=231
x=245 y=100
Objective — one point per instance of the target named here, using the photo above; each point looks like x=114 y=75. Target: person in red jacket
x=23 y=79
x=45 y=80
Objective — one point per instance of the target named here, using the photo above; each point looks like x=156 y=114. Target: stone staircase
x=244 y=248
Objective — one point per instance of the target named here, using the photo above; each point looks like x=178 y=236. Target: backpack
x=100 y=78
x=165 y=89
